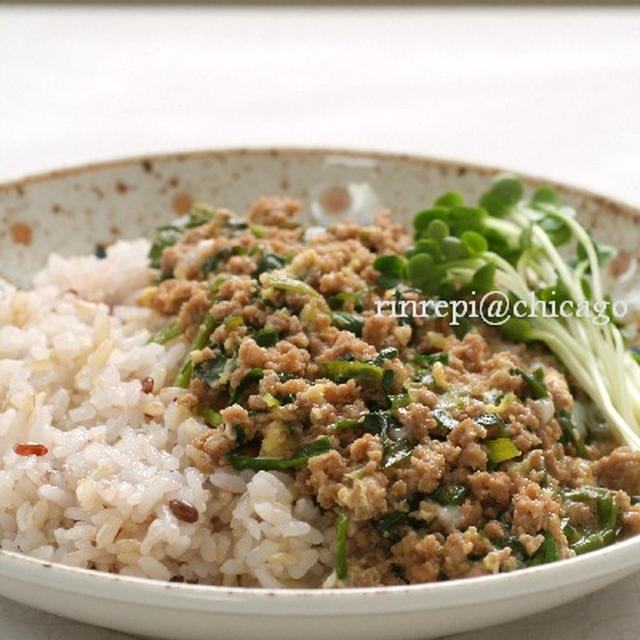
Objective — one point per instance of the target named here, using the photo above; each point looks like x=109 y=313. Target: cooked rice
x=73 y=352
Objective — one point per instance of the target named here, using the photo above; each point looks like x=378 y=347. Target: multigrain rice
x=77 y=375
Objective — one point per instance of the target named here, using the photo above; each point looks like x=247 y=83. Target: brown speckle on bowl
x=147 y=167
x=336 y=200
x=620 y=264
x=98 y=192
x=121 y=187
x=21 y=233
x=181 y=203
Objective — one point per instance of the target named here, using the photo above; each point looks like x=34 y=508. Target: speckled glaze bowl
x=77 y=210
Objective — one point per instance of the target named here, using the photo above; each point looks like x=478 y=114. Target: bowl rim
x=466 y=590
x=440 y=594
x=615 y=205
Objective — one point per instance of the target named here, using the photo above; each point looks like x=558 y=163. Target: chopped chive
x=252 y=377
x=337 y=302
x=454 y=495
x=266 y=337
x=395 y=452
x=167 y=236
x=388 y=353
x=348 y=322
x=343 y=425
x=199 y=342
x=269 y=262
x=284 y=282
x=500 y=450
x=266 y=463
x=548 y=551
x=444 y=419
x=570 y=433
x=210 y=416
x=428 y=360
x=257 y=230
x=534 y=382
x=342 y=528
x=342 y=370
x=387 y=381
x=167 y=333
x=234 y=322
x=270 y=400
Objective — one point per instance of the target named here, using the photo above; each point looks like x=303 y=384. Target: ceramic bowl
x=75 y=210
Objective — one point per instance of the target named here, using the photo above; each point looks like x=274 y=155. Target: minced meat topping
x=442 y=453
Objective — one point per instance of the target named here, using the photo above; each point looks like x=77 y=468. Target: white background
x=554 y=92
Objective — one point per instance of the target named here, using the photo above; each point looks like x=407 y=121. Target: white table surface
x=550 y=92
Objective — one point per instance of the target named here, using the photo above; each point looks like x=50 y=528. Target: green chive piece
x=167 y=334
x=342 y=527
x=264 y=463
x=183 y=379
x=500 y=450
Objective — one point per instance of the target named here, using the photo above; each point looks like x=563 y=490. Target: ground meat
x=530 y=543
x=273 y=211
x=631 y=521
x=216 y=445
x=341 y=394
x=172 y=256
x=368 y=448
x=192 y=312
x=241 y=265
x=235 y=415
x=456 y=551
x=471 y=513
x=284 y=323
x=501 y=560
x=472 y=457
x=466 y=432
x=386 y=236
x=346 y=343
x=442 y=507
x=428 y=468
x=419 y=558
x=494 y=530
x=417 y=416
x=325 y=473
x=365 y=499
x=170 y=295
x=492 y=489
x=523 y=427
x=558 y=388
x=620 y=470
x=532 y=508
x=335 y=282
x=569 y=471
x=471 y=353
x=371 y=577
x=384 y=331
